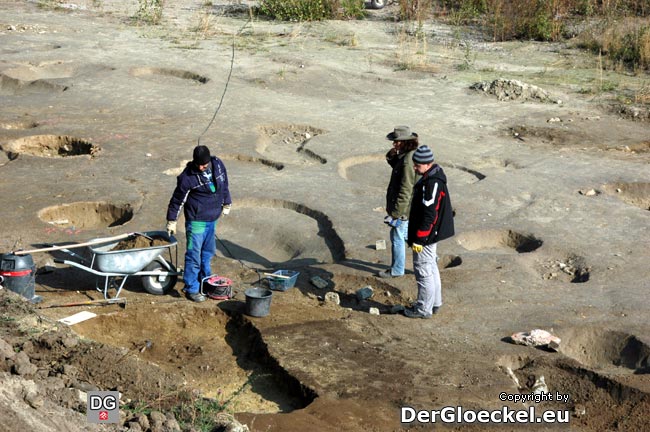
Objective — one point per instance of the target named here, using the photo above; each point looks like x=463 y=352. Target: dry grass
x=205 y=25
x=412 y=52
x=625 y=43
x=642 y=95
x=623 y=35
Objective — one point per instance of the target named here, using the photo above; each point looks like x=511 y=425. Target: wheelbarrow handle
x=78 y=245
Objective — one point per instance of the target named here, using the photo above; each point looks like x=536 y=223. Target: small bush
x=527 y=19
x=629 y=46
x=296 y=10
x=150 y=11
x=415 y=10
x=624 y=43
x=312 y=10
x=349 y=9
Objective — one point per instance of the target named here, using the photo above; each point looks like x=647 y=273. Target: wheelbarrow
x=158 y=274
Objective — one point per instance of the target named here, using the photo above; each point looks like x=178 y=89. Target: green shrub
x=630 y=45
x=150 y=11
x=296 y=10
x=537 y=26
x=623 y=43
x=349 y=9
x=312 y=10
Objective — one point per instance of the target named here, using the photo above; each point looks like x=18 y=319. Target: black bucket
x=18 y=274
x=258 y=301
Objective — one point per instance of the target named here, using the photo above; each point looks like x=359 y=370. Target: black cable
x=257 y=270
x=225 y=89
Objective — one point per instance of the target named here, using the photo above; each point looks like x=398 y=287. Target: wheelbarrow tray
x=128 y=261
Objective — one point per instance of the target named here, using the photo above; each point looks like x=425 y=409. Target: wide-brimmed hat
x=201 y=155
x=401 y=133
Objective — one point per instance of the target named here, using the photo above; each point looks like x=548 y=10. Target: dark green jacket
x=400 y=186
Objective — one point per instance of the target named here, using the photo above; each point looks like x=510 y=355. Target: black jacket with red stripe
x=431 y=218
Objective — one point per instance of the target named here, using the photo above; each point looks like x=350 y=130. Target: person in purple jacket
x=202 y=192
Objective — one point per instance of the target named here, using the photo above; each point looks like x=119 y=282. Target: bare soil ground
x=550 y=186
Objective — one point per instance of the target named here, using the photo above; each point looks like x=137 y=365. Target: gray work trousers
x=427 y=276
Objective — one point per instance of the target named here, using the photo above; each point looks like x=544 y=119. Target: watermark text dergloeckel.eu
x=503 y=415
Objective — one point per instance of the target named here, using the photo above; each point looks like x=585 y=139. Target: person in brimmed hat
x=202 y=191
x=430 y=221
x=398 y=195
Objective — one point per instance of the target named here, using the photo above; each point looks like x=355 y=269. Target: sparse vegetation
x=296 y=10
x=625 y=43
x=150 y=11
x=621 y=33
x=205 y=25
x=415 y=10
x=192 y=410
x=412 y=53
x=312 y=10
x=349 y=9
x=345 y=39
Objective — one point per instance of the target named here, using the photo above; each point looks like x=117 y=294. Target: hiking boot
x=412 y=313
x=195 y=297
x=386 y=274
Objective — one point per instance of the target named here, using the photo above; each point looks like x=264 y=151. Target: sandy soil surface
x=550 y=186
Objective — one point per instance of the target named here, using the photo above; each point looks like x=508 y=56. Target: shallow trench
x=223 y=356
x=604 y=375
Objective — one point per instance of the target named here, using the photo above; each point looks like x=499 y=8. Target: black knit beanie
x=201 y=155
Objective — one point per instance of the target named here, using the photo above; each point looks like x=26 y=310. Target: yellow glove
x=226 y=209
x=417 y=248
x=171 y=228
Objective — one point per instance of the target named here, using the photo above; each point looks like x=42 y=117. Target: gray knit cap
x=423 y=155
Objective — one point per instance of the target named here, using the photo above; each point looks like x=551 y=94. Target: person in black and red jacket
x=430 y=221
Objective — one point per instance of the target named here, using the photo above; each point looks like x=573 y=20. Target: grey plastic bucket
x=258 y=301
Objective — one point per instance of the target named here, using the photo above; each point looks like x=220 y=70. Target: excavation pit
x=604 y=349
x=50 y=146
x=298 y=236
x=635 y=194
x=289 y=143
x=449 y=261
x=373 y=169
x=18 y=125
x=87 y=215
x=224 y=357
x=172 y=73
x=594 y=400
x=506 y=240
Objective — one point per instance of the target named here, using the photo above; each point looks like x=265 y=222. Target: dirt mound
x=506 y=90
x=141 y=242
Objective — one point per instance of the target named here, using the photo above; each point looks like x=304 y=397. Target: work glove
x=226 y=209
x=417 y=248
x=388 y=220
x=171 y=228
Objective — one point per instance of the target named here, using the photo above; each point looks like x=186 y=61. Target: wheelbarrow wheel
x=158 y=284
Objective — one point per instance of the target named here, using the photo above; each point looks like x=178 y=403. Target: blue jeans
x=398 y=248
x=201 y=247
